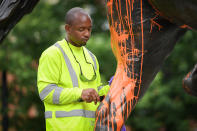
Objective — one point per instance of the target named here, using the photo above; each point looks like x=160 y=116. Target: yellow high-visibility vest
x=60 y=87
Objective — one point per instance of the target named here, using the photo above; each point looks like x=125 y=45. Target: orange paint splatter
x=186 y=26
x=125 y=88
x=154 y=23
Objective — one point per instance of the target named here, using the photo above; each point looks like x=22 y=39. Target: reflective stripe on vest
x=73 y=113
x=56 y=95
x=100 y=87
x=70 y=68
x=93 y=58
x=48 y=89
x=48 y=114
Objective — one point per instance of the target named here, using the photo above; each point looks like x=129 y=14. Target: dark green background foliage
x=165 y=107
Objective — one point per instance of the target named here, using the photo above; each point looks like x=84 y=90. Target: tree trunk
x=5 y=122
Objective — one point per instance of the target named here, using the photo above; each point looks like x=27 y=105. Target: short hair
x=70 y=15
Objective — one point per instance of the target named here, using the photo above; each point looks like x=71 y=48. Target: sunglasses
x=82 y=76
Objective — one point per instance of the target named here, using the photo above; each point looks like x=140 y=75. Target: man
x=68 y=78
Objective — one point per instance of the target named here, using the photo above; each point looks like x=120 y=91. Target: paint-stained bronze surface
x=141 y=40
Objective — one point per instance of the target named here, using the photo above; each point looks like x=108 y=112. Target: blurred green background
x=165 y=107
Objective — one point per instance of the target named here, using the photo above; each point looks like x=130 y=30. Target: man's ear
x=67 y=28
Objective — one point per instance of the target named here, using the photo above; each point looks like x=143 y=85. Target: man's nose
x=87 y=33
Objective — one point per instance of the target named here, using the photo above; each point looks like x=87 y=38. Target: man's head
x=78 y=26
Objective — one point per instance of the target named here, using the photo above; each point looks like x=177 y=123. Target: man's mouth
x=85 y=40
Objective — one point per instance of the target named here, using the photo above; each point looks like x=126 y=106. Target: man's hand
x=90 y=95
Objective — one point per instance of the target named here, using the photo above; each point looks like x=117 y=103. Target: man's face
x=79 y=31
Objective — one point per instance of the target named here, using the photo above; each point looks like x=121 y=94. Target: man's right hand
x=90 y=95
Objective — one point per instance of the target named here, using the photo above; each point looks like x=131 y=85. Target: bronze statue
x=143 y=34
x=11 y=11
